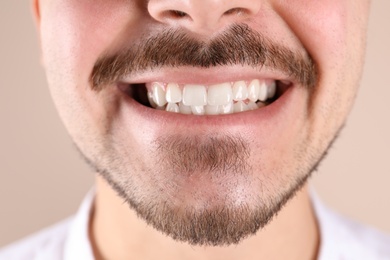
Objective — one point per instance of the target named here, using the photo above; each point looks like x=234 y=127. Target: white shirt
x=341 y=239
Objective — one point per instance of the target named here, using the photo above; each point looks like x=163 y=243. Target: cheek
x=332 y=31
x=74 y=33
x=321 y=26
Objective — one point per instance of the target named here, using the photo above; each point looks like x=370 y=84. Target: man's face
x=205 y=179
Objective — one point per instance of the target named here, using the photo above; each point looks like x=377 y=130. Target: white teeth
x=172 y=107
x=224 y=98
x=158 y=94
x=150 y=98
x=254 y=90
x=252 y=106
x=240 y=106
x=271 y=89
x=198 y=110
x=184 y=109
x=240 y=91
x=212 y=110
x=173 y=94
x=220 y=94
x=227 y=109
x=263 y=92
x=194 y=95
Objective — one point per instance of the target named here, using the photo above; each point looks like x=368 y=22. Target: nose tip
x=202 y=16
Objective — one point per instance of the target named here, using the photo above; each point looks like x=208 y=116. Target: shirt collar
x=77 y=245
x=342 y=238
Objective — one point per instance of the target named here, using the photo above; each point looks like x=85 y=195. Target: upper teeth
x=223 y=98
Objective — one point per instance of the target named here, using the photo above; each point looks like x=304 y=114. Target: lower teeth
x=233 y=107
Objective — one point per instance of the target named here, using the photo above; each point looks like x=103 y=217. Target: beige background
x=42 y=178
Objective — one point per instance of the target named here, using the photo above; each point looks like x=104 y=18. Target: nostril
x=175 y=14
x=236 y=11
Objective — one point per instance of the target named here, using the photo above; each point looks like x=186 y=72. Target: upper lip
x=214 y=75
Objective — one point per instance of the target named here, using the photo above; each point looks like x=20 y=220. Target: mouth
x=213 y=99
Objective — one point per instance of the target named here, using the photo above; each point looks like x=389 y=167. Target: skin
x=74 y=34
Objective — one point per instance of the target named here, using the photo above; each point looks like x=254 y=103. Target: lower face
x=207 y=155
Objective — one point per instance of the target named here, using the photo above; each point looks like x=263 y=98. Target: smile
x=216 y=99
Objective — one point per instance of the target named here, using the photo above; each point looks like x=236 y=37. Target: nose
x=202 y=16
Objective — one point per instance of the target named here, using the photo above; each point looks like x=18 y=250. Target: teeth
x=271 y=89
x=227 y=109
x=220 y=94
x=252 y=106
x=194 y=95
x=151 y=101
x=263 y=92
x=224 y=98
x=172 y=107
x=184 y=109
x=240 y=91
x=254 y=90
x=212 y=110
x=158 y=94
x=173 y=93
x=198 y=110
x=240 y=106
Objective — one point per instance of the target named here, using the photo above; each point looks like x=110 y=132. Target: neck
x=293 y=234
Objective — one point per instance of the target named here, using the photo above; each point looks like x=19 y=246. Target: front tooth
x=271 y=89
x=219 y=94
x=240 y=106
x=198 y=110
x=173 y=94
x=158 y=94
x=263 y=92
x=212 y=110
x=254 y=90
x=240 y=91
x=184 y=109
x=194 y=95
x=172 y=107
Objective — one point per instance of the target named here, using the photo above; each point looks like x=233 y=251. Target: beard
x=210 y=189
x=202 y=190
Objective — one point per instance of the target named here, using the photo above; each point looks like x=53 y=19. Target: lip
x=214 y=75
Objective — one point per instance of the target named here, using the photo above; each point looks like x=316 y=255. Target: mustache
x=237 y=45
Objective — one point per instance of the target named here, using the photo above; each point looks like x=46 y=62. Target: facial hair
x=202 y=217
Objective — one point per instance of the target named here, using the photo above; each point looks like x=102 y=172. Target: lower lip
x=281 y=109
